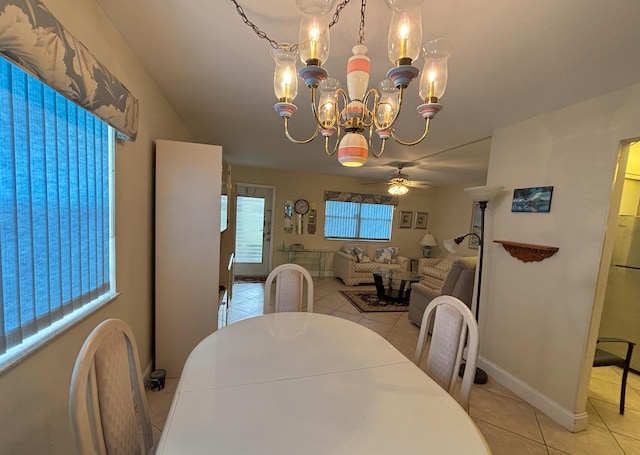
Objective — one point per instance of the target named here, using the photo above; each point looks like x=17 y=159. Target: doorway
x=620 y=278
x=621 y=308
x=254 y=208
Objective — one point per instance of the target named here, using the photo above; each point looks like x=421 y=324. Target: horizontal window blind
x=54 y=206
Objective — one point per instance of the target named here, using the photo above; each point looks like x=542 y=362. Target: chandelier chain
x=363 y=8
x=293 y=47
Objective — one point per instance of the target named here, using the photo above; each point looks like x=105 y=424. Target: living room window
x=56 y=235
x=357 y=221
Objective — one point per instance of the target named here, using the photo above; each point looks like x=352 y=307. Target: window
x=357 y=221
x=249 y=229
x=56 y=238
x=224 y=201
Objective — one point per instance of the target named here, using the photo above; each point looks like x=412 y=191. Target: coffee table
x=395 y=285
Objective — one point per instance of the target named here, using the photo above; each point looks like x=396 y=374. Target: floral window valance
x=32 y=38
x=358 y=197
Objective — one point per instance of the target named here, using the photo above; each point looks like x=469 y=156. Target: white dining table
x=306 y=383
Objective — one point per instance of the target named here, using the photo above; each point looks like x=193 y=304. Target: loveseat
x=458 y=282
x=354 y=264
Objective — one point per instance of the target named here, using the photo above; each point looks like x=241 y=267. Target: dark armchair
x=605 y=359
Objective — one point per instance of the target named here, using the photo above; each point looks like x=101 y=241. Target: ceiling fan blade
x=381 y=182
x=400 y=178
x=417 y=184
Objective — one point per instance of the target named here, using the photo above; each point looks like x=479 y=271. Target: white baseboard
x=569 y=420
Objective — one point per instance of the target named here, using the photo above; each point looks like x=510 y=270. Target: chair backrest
x=454 y=327
x=290 y=279
x=107 y=403
x=460 y=279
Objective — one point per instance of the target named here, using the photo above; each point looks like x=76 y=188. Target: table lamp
x=427 y=242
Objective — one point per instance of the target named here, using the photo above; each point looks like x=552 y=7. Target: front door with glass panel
x=253 y=229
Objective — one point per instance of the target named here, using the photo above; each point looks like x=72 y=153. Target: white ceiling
x=513 y=60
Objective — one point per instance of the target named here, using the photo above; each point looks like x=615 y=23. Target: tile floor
x=509 y=424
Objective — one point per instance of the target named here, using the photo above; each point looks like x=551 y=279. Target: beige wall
x=34 y=413
x=446 y=219
x=452 y=217
x=539 y=320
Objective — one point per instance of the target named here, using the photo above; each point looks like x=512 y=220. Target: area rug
x=249 y=279
x=369 y=302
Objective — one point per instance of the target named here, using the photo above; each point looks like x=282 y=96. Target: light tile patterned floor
x=509 y=424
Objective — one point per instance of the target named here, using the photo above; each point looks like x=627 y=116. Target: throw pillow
x=361 y=254
x=386 y=255
x=347 y=249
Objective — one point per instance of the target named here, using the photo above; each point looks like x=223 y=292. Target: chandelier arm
x=372 y=148
x=426 y=131
x=345 y=102
x=294 y=140
x=365 y=101
x=395 y=114
x=335 y=147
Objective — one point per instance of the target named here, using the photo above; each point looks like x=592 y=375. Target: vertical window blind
x=357 y=221
x=55 y=250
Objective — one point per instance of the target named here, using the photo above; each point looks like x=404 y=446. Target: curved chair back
x=605 y=358
x=107 y=405
x=290 y=279
x=454 y=328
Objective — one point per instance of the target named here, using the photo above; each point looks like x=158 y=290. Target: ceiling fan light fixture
x=397 y=189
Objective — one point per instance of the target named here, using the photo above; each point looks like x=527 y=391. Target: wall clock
x=301 y=206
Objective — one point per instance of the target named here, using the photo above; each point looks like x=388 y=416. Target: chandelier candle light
x=361 y=109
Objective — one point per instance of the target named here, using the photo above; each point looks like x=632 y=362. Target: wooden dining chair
x=454 y=328
x=604 y=359
x=107 y=402
x=290 y=285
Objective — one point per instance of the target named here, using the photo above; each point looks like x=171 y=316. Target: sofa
x=354 y=264
x=458 y=282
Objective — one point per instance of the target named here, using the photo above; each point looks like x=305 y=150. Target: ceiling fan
x=399 y=183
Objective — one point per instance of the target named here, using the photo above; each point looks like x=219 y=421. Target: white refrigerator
x=621 y=312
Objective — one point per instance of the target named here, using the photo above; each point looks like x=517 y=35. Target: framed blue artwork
x=535 y=199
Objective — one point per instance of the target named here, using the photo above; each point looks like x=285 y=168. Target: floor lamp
x=481 y=194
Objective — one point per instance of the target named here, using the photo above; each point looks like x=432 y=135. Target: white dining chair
x=454 y=328
x=290 y=282
x=107 y=403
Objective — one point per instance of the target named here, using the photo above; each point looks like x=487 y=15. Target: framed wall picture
x=421 y=220
x=404 y=222
x=535 y=199
x=476 y=220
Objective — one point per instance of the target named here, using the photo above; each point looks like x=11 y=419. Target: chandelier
x=351 y=113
